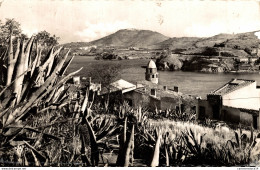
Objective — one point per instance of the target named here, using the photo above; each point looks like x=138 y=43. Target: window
x=153 y=92
x=152 y=76
x=151 y=70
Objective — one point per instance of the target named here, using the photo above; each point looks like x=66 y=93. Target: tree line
x=12 y=27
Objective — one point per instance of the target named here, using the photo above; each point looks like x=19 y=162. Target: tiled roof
x=145 y=87
x=122 y=84
x=231 y=86
x=119 y=85
x=159 y=92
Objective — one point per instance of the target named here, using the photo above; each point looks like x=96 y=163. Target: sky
x=87 y=20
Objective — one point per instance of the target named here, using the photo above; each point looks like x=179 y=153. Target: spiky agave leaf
x=123 y=158
x=156 y=153
x=17 y=89
x=10 y=62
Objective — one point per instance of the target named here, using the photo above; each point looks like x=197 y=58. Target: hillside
x=243 y=40
x=211 y=41
x=131 y=38
x=216 y=51
x=219 y=53
x=177 y=43
x=155 y=40
x=237 y=41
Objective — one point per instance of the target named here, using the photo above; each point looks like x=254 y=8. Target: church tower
x=151 y=73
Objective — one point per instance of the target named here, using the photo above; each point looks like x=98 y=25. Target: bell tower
x=151 y=73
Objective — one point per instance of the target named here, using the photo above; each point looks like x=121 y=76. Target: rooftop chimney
x=89 y=80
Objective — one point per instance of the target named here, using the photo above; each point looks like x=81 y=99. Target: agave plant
x=243 y=148
x=126 y=147
x=173 y=150
x=94 y=132
x=30 y=85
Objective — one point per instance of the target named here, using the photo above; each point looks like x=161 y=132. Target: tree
x=13 y=27
x=10 y=27
x=46 y=39
x=106 y=74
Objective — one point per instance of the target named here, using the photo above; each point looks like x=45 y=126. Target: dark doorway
x=202 y=112
x=216 y=103
x=216 y=110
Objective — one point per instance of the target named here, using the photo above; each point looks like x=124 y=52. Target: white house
x=236 y=101
x=240 y=93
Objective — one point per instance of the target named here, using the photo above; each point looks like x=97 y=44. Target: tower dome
x=151 y=64
x=151 y=73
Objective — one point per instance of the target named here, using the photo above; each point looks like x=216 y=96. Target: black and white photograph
x=129 y=83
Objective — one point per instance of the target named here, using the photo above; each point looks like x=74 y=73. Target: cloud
x=98 y=30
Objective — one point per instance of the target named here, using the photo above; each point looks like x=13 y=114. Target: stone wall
x=169 y=103
x=144 y=100
x=228 y=114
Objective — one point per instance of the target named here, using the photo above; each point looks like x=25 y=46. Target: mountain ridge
x=155 y=40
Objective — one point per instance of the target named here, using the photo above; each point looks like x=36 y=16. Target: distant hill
x=237 y=41
x=219 y=53
x=131 y=38
x=155 y=40
x=243 y=40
